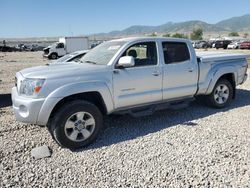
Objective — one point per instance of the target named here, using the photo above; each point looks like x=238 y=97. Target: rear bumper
x=244 y=79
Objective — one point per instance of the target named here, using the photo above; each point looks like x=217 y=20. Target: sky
x=45 y=18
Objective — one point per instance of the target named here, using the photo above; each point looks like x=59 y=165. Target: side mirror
x=126 y=61
x=199 y=59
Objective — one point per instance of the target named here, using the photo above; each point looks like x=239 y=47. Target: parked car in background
x=7 y=49
x=194 y=43
x=75 y=56
x=234 y=45
x=36 y=47
x=222 y=44
x=200 y=44
x=65 y=46
x=29 y=47
x=211 y=43
x=94 y=44
x=245 y=45
x=19 y=47
x=26 y=47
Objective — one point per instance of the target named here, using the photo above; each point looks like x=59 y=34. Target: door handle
x=156 y=73
x=190 y=69
x=116 y=71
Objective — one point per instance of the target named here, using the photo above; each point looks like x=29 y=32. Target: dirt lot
x=12 y=62
x=193 y=147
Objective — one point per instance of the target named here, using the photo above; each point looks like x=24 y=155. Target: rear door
x=141 y=84
x=180 y=71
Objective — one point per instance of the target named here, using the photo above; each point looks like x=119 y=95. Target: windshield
x=54 y=44
x=102 y=53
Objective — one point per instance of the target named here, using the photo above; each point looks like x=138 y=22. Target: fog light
x=23 y=111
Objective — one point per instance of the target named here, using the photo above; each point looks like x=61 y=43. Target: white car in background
x=234 y=45
x=75 y=56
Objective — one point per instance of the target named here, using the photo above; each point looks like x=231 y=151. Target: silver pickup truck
x=127 y=76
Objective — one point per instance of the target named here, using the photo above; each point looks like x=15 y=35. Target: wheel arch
x=93 y=97
x=97 y=93
x=230 y=76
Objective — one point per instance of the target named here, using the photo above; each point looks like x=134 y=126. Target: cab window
x=175 y=52
x=60 y=45
x=145 y=54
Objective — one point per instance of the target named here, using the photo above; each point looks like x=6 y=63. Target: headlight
x=31 y=87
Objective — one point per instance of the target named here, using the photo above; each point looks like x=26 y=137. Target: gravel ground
x=193 y=147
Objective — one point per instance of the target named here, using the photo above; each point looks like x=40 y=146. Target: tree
x=180 y=35
x=246 y=35
x=154 y=34
x=233 y=34
x=196 y=34
x=166 y=35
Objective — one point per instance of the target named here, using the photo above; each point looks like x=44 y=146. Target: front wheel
x=222 y=94
x=53 y=56
x=76 y=124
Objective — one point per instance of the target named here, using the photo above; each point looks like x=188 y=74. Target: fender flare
x=218 y=74
x=71 y=89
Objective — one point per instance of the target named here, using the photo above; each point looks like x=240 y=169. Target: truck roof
x=73 y=37
x=131 y=39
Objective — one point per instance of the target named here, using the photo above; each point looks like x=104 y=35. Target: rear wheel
x=77 y=124
x=222 y=94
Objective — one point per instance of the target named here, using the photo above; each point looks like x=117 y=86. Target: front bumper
x=26 y=109
x=46 y=55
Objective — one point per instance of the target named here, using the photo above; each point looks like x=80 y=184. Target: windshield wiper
x=92 y=62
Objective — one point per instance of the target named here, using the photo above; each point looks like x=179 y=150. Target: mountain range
x=235 y=24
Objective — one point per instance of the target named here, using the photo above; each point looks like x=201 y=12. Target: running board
x=150 y=109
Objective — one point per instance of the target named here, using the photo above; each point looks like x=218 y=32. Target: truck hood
x=61 y=70
x=47 y=48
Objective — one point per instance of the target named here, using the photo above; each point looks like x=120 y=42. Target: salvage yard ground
x=196 y=146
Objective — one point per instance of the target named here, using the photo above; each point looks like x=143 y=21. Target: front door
x=60 y=49
x=141 y=84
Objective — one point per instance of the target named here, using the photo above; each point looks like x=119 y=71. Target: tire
x=221 y=95
x=67 y=129
x=53 y=56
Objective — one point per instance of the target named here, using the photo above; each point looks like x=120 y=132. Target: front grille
x=46 y=51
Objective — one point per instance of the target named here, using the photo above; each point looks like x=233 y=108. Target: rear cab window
x=175 y=52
